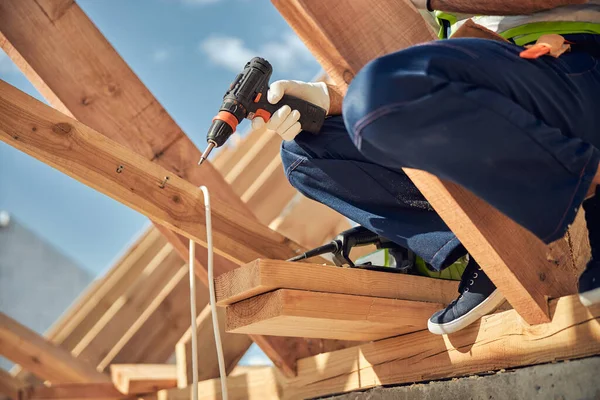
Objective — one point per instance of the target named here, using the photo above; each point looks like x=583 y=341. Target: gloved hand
x=285 y=120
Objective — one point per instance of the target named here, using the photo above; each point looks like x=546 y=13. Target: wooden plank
x=299 y=313
x=36 y=354
x=259 y=384
x=11 y=386
x=262 y=276
x=523 y=268
x=234 y=347
x=499 y=341
x=88 y=156
x=143 y=378
x=55 y=9
x=113 y=324
x=326 y=29
x=75 y=391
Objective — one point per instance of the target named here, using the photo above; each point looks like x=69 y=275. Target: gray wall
x=37 y=282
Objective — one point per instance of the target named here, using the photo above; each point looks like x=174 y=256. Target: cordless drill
x=247 y=98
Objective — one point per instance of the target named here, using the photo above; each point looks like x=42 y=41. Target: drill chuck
x=219 y=132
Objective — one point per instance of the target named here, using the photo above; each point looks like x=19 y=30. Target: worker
x=521 y=133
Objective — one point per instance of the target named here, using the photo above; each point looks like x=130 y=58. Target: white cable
x=213 y=306
x=194 y=314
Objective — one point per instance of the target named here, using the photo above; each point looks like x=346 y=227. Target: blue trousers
x=524 y=135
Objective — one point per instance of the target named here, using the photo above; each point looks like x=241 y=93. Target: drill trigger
x=264 y=114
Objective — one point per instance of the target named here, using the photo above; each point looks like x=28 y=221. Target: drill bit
x=204 y=156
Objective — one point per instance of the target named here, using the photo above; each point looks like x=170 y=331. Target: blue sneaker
x=478 y=297
x=589 y=281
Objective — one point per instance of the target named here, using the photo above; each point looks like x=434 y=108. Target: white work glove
x=284 y=121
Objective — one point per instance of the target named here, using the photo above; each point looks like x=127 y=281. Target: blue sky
x=186 y=52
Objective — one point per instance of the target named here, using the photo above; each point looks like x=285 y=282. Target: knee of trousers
x=299 y=154
x=406 y=84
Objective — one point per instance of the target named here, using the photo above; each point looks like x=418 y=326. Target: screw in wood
x=164 y=182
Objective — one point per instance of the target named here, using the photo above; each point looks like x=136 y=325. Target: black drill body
x=247 y=98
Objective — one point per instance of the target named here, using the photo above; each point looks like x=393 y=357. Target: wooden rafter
x=521 y=266
x=44 y=359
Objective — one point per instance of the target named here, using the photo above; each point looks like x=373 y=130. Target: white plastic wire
x=213 y=305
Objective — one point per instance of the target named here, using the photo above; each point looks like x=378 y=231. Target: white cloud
x=286 y=54
x=227 y=51
x=160 y=55
x=6 y=64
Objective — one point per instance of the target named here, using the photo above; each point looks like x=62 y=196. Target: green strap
x=442 y=16
x=529 y=33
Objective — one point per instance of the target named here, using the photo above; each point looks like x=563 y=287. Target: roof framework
x=108 y=131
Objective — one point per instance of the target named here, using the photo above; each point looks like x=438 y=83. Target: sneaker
x=589 y=281
x=478 y=297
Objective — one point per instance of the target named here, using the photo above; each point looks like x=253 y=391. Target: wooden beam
x=36 y=354
x=262 y=276
x=93 y=159
x=75 y=391
x=259 y=384
x=299 y=313
x=234 y=347
x=11 y=386
x=143 y=378
x=520 y=265
x=525 y=270
x=498 y=341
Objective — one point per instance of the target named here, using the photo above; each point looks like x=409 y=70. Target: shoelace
x=462 y=288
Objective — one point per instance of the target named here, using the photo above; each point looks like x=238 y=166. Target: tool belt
x=552 y=44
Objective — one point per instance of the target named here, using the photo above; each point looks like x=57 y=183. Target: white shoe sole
x=590 y=297
x=486 y=307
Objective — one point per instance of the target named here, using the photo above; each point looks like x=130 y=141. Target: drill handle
x=311 y=116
